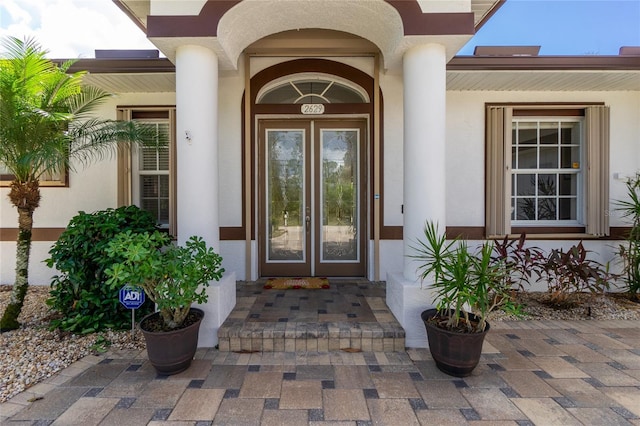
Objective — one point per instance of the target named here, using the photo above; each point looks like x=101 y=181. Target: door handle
x=308 y=222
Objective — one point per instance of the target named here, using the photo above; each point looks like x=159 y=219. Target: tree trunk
x=26 y=197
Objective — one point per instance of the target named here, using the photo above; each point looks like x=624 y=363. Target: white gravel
x=590 y=307
x=33 y=353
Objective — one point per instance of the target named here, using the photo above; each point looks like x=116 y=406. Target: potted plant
x=630 y=251
x=173 y=277
x=468 y=284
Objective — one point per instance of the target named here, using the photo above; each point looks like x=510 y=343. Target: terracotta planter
x=171 y=352
x=456 y=354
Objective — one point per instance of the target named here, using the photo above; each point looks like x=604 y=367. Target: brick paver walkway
x=531 y=372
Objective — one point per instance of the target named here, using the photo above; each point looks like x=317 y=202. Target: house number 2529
x=312 y=108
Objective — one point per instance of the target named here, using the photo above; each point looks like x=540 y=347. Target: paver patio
x=573 y=381
x=541 y=372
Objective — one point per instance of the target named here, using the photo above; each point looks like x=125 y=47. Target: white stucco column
x=197 y=144
x=424 y=144
x=424 y=180
x=197 y=173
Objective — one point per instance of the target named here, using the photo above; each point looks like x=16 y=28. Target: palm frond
x=96 y=139
x=46 y=116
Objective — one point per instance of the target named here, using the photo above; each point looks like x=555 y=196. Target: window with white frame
x=147 y=175
x=311 y=88
x=547 y=169
x=150 y=175
x=546 y=164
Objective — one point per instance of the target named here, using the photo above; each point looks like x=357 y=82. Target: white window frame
x=579 y=172
x=137 y=172
x=293 y=79
x=128 y=182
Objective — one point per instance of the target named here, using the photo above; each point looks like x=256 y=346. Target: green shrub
x=570 y=274
x=80 y=294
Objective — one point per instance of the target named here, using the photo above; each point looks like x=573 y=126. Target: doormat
x=309 y=283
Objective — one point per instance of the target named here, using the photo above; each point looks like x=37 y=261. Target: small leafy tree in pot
x=172 y=276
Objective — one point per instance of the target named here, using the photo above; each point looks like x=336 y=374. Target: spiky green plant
x=463 y=278
x=630 y=251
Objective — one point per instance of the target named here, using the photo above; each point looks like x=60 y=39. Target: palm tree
x=46 y=126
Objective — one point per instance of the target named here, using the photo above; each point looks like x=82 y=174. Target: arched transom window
x=312 y=89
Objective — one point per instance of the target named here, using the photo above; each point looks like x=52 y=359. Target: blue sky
x=563 y=27
x=74 y=28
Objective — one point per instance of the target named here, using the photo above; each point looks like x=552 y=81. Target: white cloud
x=71 y=28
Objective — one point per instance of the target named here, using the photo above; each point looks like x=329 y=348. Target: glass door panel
x=285 y=196
x=284 y=187
x=339 y=198
x=340 y=185
x=311 y=197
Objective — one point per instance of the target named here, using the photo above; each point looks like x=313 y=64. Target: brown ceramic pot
x=171 y=352
x=455 y=353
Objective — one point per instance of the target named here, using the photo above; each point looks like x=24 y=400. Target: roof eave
x=539 y=63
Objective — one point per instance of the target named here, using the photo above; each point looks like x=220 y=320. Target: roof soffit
x=586 y=73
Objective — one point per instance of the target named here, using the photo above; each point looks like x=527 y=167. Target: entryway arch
x=311 y=128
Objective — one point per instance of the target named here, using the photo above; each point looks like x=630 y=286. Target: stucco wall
x=465 y=145
x=90 y=188
x=93 y=188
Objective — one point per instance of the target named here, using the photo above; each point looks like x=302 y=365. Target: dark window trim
x=6 y=179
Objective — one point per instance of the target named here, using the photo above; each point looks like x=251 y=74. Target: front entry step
x=351 y=315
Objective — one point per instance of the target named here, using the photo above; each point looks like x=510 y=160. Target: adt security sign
x=131 y=297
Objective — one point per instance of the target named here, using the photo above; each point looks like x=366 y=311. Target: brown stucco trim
x=310 y=65
x=538 y=63
x=390 y=232
x=52 y=234
x=37 y=234
x=203 y=25
x=227 y=233
x=465 y=232
x=619 y=232
x=232 y=233
x=235 y=233
x=415 y=22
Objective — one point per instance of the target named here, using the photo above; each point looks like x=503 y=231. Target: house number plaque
x=312 y=109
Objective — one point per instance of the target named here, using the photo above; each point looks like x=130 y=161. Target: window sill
x=551 y=236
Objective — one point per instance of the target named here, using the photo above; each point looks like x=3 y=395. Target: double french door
x=312 y=197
